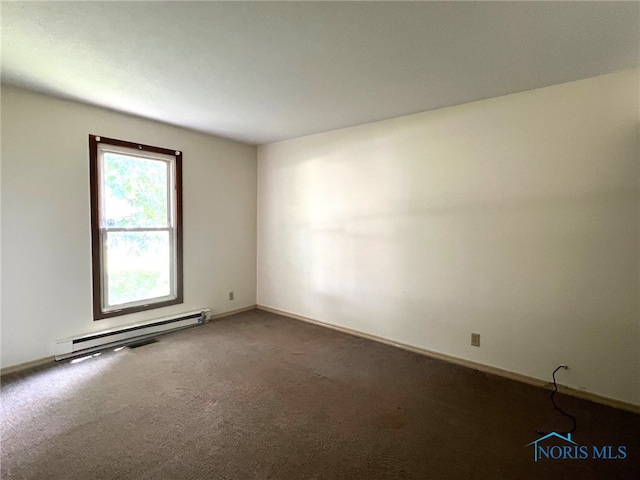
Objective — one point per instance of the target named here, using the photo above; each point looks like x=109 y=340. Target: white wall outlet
x=475 y=339
x=230 y=295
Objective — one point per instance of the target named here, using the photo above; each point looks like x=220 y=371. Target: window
x=136 y=226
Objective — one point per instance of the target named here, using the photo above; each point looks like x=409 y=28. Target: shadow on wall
x=383 y=250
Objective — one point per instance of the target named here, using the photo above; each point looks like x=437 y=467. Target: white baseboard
x=466 y=363
x=26 y=365
x=447 y=358
x=232 y=312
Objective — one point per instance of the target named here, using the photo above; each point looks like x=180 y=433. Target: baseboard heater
x=92 y=342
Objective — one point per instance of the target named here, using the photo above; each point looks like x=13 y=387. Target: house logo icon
x=570 y=450
x=545 y=452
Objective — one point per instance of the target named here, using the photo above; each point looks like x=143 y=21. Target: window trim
x=96 y=237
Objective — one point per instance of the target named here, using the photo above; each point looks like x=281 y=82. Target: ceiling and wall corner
x=260 y=72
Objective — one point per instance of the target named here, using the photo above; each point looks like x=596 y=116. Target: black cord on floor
x=555 y=405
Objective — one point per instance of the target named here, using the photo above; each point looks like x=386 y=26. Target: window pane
x=138 y=266
x=135 y=192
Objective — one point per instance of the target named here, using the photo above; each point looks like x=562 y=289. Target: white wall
x=46 y=236
x=514 y=217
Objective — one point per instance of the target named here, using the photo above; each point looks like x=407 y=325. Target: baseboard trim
x=233 y=312
x=610 y=402
x=27 y=365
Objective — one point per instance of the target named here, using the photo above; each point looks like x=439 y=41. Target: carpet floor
x=260 y=396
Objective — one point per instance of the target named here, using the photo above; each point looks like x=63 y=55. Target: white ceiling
x=266 y=71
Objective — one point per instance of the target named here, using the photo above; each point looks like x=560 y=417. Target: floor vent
x=142 y=343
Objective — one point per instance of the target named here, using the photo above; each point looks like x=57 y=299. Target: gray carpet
x=257 y=396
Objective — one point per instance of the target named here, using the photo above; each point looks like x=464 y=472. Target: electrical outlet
x=475 y=339
x=230 y=295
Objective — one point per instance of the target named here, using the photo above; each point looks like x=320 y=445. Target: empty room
x=320 y=240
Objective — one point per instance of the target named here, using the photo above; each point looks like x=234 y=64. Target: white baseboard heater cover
x=92 y=342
